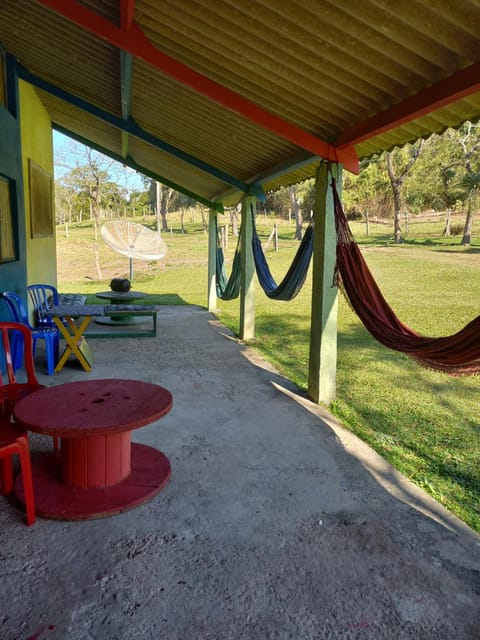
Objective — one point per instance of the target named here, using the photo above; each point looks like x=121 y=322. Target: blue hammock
x=227 y=289
x=296 y=274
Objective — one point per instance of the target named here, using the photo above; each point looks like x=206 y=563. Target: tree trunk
x=204 y=220
x=446 y=231
x=97 y=261
x=405 y=218
x=397 y=203
x=297 y=212
x=396 y=182
x=94 y=214
x=234 y=221
x=467 y=230
x=164 y=220
x=397 y=228
x=158 y=204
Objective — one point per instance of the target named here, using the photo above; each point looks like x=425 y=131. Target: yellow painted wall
x=37 y=144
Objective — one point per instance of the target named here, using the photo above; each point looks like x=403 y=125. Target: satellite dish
x=134 y=241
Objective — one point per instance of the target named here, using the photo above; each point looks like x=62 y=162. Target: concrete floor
x=277 y=522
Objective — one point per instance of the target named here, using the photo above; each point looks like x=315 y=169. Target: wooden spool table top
x=93 y=407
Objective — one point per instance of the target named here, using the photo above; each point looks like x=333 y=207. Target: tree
x=470 y=145
x=367 y=193
x=297 y=211
x=306 y=199
x=159 y=199
x=64 y=204
x=447 y=174
x=425 y=187
x=399 y=163
x=181 y=202
x=279 y=202
x=90 y=181
x=471 y=183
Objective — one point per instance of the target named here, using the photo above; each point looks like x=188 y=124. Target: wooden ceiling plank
x=131 y=127
x=135 y=42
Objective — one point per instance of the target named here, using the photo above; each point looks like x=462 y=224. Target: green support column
x=247 y=297
x=212 y=261
x=323 y=332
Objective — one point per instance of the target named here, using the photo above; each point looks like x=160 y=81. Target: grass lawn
x=423 y=422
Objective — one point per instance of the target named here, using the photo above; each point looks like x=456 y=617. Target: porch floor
x=276 y=523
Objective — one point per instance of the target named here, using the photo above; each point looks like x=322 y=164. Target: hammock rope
x=227 y=289
x=295 y=277
x=458 y=354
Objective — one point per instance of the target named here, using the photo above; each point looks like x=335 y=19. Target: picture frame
x=41 y=201
x=7 y=235
x=3 y=80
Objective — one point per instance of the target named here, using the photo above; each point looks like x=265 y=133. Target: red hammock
x=458 y=354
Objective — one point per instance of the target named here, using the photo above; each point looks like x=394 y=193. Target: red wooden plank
x=135 y=42
x=93 y=407
x=127 y=10
x=117 y=458
x=460 y=85
x=96 y=461
x=151 y=471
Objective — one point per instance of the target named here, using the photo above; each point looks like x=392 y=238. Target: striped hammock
x=458 y=354
x=295 y=277
x=227 y=289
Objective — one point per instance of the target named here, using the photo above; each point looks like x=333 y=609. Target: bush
x=354 y=214
x=456 y=229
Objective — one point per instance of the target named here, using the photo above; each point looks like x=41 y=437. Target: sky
x=67 y=152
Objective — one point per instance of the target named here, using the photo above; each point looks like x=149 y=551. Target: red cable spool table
x=98 y=472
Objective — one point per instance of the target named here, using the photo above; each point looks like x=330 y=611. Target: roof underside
x=212 y=96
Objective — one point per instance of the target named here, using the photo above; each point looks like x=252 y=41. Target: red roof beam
x=458 y=86
x=135 y=42
x=127 y=10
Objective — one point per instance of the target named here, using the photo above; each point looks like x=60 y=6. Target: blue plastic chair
x=50 y=334
x=43 y=296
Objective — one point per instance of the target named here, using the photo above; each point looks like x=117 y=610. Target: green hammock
x=294 y=278
x=227 y=289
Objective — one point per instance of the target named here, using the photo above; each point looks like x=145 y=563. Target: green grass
x=423 y=422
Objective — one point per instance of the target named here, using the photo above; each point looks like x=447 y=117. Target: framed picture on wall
x=41 y=201
x=7 y=237
x=3 y=81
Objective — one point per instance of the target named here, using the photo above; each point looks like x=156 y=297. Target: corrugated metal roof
x=320 y=66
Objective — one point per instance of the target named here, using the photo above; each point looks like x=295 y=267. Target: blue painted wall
x=13 y=275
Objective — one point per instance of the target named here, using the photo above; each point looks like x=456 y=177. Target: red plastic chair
x=14 y=441
x=11 y=390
